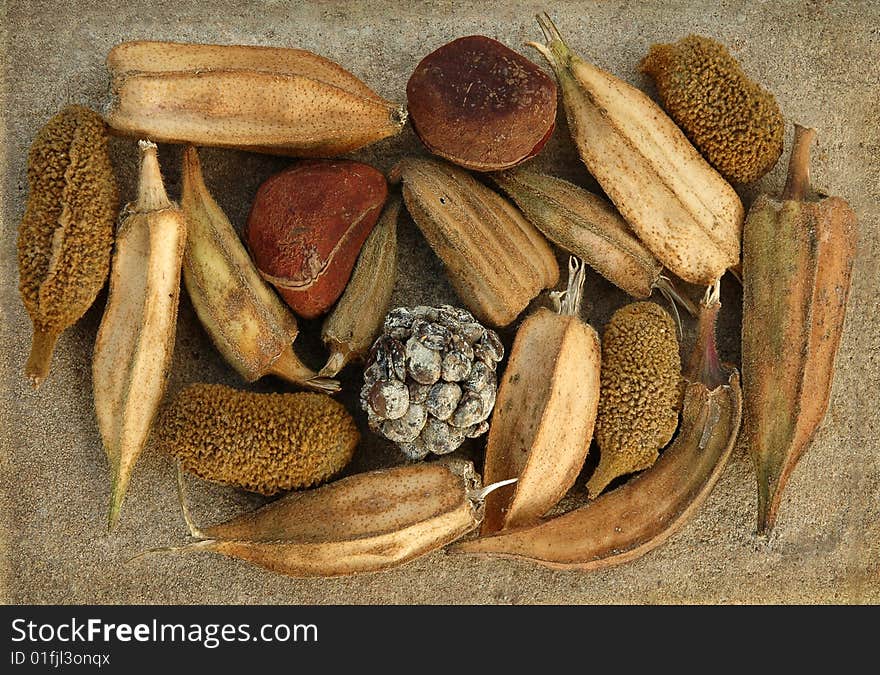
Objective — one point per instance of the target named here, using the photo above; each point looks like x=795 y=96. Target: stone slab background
x=820 y=59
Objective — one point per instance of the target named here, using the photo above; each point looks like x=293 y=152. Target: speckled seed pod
x=640 y=392
x=430 y=381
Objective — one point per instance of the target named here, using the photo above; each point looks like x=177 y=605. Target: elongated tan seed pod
x=289 y=102
x=135 y=340
x=496 y=260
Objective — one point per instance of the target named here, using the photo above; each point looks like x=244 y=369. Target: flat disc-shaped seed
x=433 y=335
x=389 y=399
x=405 y=429
x=469 y=411
x=472 y=332
x=440 y=438
x=476 y=430
x=455 y=366
x=398 y=323
x=414 y=450
x=418 y=393
x=489 y=348
x=480 y=377
x=443 y=399
x=424 y=364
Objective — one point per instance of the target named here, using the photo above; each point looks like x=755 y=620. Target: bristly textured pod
x=367 y=522
x=640 y=515
x=545 y=412
x=349 y=330
x=274 y=100
x=677 y=204
x=66 y=234
x=135 y=340
x=244 y=317
x=589 y=227
x=797 y=268
x=496 y=260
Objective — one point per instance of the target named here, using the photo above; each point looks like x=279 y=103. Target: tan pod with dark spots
x=496 y=260
x=273 y=100
x=247 y=322
x=363 y=523
x=797 y=267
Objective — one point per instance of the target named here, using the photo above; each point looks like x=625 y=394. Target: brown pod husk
x=496 y=260
x=798 y=255
x=481 y=105
x=66 y=234
x=363 y=523
x=273 y=100
x=543 y=421
x=307 y=225
x=643 y=513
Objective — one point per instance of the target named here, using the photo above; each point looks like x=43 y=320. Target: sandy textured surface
x=821 y=60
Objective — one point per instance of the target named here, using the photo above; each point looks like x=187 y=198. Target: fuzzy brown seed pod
x=734 y=122
x=265 y=443
x=307 y=226
x=640 y=394
x=481 y=105
x=66 y=234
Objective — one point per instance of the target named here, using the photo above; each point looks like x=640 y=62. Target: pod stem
x=151 y=189
x=288 y=367
x=797 y=184
x=704 y=365
x=335 y=362
x=568 y=302
x=555 y=51
x=480 y=494
x=42 y=346
x=117 y=496
x=184 y=506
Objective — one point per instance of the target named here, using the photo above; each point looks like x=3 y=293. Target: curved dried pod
x=643 y=513
x=640 y=392
x=244 y=317
x=66 y=234
x=349 y=330
x=135 y=340
x=367 y=522
x=677 y=204
x=543 y=421
x=307 y=225
x=273 y=100
x=589 y=227
x=481 y=105
x=798 y=256
x=496 y=260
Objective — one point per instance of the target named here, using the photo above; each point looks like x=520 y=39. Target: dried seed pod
x=307 y=225
x=687 y=215
x=135 y=340
x=735 y=123
x=351 y=327
x=639 y=516
x=363 y=523
x=433 y=411
x=274 y=100
x=495 y=259
x=264 y=443
x=481 y=105
x=640 y=394
x=66 y=234
x=243 y=316
x=589 y=227
x=797 y=269
x=543 y=421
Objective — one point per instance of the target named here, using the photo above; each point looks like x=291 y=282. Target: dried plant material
x=543 y=422
x=349 y=330
x=495 y=259
x=798 y=255
x=247 y=322
x=307 y=225
x=264 y=443
x=635 y=518
x=589 y=227
x=640 y=395
x=429 y=381
x=681 y=208
x=135 y=340
x=66 y=234
x=367 y=522
x=481 y=105
x=274 y=100
x=733 y=121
